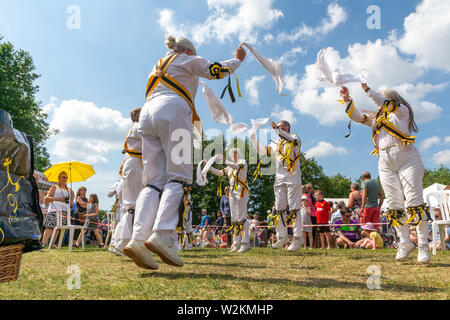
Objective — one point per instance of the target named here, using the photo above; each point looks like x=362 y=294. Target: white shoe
x=116 y=252
x=166 y=250
x=244 y=248
x=404 y=250
x=424 y=253
x=295 y=245
x=137 y=251
x=280 y=243
x=235 y=248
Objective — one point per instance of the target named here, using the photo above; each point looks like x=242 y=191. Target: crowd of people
x=358 y=224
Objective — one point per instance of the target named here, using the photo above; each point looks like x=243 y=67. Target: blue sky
x=92 y=76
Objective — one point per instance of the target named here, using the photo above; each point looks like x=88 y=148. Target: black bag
x=20 y=214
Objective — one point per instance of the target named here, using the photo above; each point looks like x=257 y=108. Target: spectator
x=81 y=205
x=92 y=220
x=355 y=201
x=209 y=239
x=306 y=220
x=323 y=216
x=347 y=235
x=205 y=222
x=263 y=234
x=224 y=241
x=338 y=214
x=57 y=193
x=271 y=234
x=311 y=193
x=333 y=209
x=372 y=238
x=219 y=223
x=254 y=230
x=370 y=208
x=312 y=211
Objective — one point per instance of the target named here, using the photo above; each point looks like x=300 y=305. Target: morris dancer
x=167 y=115
x=185 y=237
x=131 y=172
x=116 y=190
x=236 y=171
x=288 y=184
x=400 y=166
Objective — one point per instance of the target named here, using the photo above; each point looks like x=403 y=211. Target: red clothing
x=370 y=215
x=323 y=211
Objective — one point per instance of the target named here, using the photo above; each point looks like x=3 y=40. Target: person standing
x=323 y=215
x=116 y=190
x=92 y=220
x=236 y=171
x=168 y=116
x=370 y=206
x=288 y=183
x=399 y=164
x=355 y=201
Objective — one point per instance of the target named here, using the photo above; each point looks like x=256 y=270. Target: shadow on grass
x=311 y=282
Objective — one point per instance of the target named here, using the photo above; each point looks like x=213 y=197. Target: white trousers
x=238 y=208
x=401 y=173
x=113 y=242
x=132 y=181
x=165 y=125
x=287 y=195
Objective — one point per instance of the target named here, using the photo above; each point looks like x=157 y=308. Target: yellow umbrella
x=76 y=171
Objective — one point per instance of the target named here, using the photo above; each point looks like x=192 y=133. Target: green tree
x=441 y=175
x=17 y=97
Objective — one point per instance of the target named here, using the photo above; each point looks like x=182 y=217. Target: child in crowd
x=323 y=216
x=372 y=240
x=306 y=220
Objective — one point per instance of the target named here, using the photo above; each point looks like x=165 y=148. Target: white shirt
x=283 y=175
x=133 y=139
x=399 y=118
x=187 y=70
x=230 y=170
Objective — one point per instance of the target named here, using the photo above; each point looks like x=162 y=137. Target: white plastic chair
x=64 y=209
x=443 y=200
x=111 y=226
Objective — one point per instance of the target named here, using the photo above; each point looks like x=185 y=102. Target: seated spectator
x=223 y=241
x=372 y=238
x=347 y=235
x=263 y=232
x=209 y=238
x=205 y=222
x=219 y=223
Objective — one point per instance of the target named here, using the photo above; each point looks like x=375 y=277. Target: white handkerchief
x=336 y=77
x=275 y=68
x=202 y=179
x=238 y=128
x=216 y=107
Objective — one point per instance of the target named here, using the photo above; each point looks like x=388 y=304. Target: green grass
x=261 y=273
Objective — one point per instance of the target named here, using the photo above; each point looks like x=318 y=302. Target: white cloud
x=381 y=58
x=86 y=132
x=283 y=114
x=335 y=16
x=429 y=142
x=227 y=18
x=434 y=141
x=427 y=34
x=325 y=149
x=49 y=107
x=442 y=157
x=289 y=58
x=251 y=87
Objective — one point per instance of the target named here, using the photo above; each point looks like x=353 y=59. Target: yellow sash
x=161 y=76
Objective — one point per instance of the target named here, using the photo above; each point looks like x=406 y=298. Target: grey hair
x=355 y=186
x=180 y=44
x=394 y=96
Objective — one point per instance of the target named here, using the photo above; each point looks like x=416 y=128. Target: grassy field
x=261 y=273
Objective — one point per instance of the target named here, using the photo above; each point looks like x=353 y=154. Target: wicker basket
x=10 y=257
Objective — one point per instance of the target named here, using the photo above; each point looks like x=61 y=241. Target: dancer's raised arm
x=352 y=112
